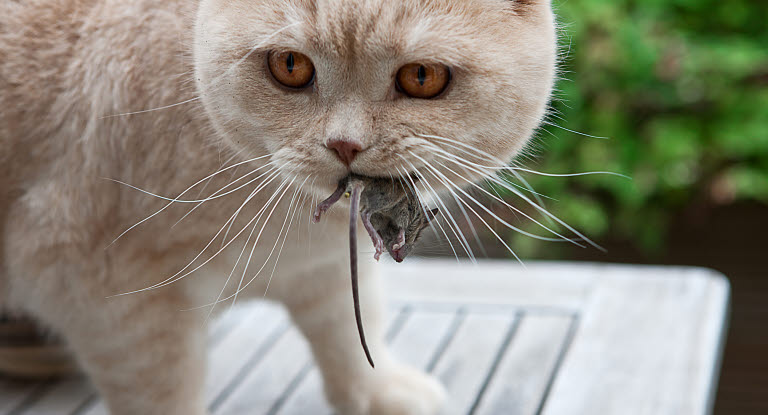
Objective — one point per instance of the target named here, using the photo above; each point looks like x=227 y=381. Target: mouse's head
x=400 y=238
x=377 y=87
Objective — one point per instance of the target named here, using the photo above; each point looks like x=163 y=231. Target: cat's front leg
x=325 y=315
x=143 y=355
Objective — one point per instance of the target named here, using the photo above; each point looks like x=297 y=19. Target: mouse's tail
x=354 y=209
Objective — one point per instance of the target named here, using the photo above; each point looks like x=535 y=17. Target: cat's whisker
x=234 y=267
x=226 y=283
x=279 y=252
x=432 y=223
x=448 y=183
x=514 y=228
x=501 y=165
x=464 y=147
x=471 y=225
x=273 y=173
x=216 y=195
x=175 y=277
x=495 y=179
x=527 y=186
x=587 y=173
x=573 y=131
x=282 y=190
x=253 y=249
x=221 y=165
x=198 y=200
x=184 y=192
x=187 y=101
x=492 y=178
x=456 y=229
x=241 y=286
x=208 y=182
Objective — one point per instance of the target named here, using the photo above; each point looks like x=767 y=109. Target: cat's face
x=499 y=56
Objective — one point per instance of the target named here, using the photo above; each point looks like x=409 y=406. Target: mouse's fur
x=391 y=211
x=194 y=70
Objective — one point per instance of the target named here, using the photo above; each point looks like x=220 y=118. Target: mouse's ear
x=431 y=214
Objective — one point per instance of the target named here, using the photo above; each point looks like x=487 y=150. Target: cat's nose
x=345 y=150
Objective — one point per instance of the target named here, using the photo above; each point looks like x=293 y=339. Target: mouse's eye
x=423 y=80
x=292 y=69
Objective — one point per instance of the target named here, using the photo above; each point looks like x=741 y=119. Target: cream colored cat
x=160 y=94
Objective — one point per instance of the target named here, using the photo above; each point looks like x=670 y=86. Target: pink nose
x=345 y=150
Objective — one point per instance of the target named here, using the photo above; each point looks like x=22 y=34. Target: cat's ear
x=531 y=7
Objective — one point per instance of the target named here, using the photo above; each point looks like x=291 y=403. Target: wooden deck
x=552 y=339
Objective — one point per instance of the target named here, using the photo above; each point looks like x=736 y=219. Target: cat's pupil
x=422 y=75
x=289 y=62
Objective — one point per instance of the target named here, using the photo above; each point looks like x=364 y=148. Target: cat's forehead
x=350 y=30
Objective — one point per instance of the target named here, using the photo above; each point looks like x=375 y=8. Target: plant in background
x=680 y=87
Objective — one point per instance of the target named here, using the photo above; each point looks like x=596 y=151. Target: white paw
x=396 y=390
x=406 y=391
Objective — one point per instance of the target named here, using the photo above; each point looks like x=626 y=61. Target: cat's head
x=390 y=85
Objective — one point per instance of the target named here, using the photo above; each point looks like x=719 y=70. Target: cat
x=258 y=108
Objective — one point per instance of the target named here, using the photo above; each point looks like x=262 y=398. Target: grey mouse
x=392 y=216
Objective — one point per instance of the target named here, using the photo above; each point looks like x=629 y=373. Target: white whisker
x=499 y=200
x=175 y=277
x=184 y=192
x=433 y=222
x=456 y=229
x=448 y=184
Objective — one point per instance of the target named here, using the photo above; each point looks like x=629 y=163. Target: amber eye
x=292 y=69
x=423 y=80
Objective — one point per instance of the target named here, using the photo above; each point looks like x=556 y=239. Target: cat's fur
x=67 y=66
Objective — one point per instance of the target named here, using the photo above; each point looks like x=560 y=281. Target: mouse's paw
x=378 y=245
x=317 y=214
x=407 y=391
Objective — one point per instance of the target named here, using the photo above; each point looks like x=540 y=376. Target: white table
x=552 y=339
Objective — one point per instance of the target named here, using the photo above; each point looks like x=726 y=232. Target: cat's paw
x=398 y=390
x=407 y=391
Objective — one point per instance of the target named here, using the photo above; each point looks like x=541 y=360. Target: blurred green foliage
x=680 y=87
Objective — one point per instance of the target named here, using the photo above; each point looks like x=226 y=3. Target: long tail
x=353 y=211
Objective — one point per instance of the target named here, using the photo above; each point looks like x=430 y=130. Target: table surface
x=550 y=338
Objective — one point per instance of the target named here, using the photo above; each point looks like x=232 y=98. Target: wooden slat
x=523 y=374
x=308 y=397
x=13 y=393
x=257 y=392
x=421 y=336
x=239 y=335
x=550 y=285
x=414 y=344
x=63 y=397
x=647 y=341
x=239 y=346
x=472 y=351
x=648 y=344
x=96 y=408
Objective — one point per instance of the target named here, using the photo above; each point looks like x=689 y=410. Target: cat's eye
x=292 y=69
x=423 y=80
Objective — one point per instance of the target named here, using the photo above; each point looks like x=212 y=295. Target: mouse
x=392 y=215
